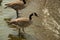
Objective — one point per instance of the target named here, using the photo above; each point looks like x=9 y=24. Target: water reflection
x=23 y=37
x=14 y=37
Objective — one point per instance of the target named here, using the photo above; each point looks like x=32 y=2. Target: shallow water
x=4 y=29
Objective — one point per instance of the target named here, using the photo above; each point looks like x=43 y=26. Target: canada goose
x=17 y=5
x=0 y=2
x=22 y=22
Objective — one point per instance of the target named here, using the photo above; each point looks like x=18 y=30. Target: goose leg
x=17 y=13
x=19 y=33
x=22 y=35
x=0 y=4
x=23 y=29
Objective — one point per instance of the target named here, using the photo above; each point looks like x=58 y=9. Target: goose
x=0 y=2
x=23 y=22
x=17 y=5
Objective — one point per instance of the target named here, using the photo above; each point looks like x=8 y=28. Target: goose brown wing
x=24 y=23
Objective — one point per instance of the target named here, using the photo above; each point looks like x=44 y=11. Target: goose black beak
x=36 y=14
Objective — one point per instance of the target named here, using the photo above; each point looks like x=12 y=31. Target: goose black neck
x=24 y=1
x=30 y=17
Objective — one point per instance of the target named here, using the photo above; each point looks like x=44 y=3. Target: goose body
x=23 y=22
x=17 y=5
